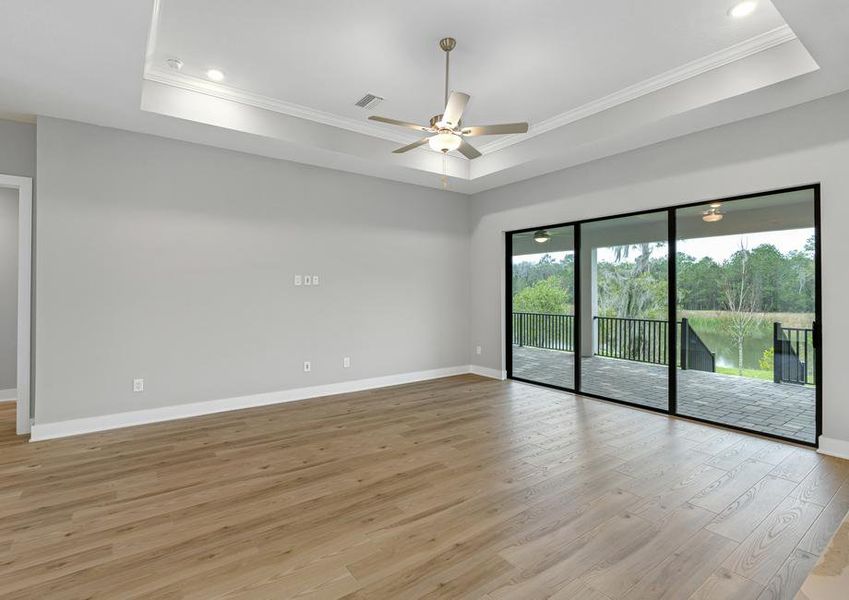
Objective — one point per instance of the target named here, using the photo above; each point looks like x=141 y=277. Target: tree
x=741 y=300
x=546 y=296
x=632 y=289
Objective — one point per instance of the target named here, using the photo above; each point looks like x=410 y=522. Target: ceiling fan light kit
x=447 y=132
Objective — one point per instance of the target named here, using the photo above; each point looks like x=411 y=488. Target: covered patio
x=781 y=409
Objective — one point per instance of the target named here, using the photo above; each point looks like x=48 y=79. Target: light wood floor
x=456 y=488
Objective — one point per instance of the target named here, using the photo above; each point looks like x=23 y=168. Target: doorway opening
x=15 y=302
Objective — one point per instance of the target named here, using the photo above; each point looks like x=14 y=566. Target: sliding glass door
x=624 y=309
x=727 y=333
x=542 y=304
x=747 y=303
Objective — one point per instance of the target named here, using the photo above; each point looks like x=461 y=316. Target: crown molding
x=739 y=51
x=152 y=72
x=744 y=49
x=225 y=92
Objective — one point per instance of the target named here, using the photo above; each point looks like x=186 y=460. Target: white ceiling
x=522 y=61
x=592 y=78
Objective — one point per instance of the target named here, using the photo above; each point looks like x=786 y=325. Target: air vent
x=369 y=101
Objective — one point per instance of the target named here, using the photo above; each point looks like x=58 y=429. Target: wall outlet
x=307 y=280
x=297 y=280
x=346 y=362
x=307 y=366
x=478 y=350
x=315 y=279
x=138 y=385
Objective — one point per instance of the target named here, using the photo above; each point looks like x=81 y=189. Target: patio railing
x=544 y=330
x=646 y=340
x=695 y=354
x=640 y=340
x=793 y=355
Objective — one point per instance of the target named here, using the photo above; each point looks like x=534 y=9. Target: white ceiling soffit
x=592 y=78
x=322 y=116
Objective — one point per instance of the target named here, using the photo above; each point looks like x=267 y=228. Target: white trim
x=487 y=372
x=24 y=187
x=744 y=49
x=834 y=447
x=46 y=431
x=225 y=92
x=10 y=394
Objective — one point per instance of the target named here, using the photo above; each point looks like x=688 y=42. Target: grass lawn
x=751 y=373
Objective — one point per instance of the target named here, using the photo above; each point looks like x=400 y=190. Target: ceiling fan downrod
x=447 y=44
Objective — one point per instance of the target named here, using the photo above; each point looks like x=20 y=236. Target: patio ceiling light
x=542 y=236
x=712 y=215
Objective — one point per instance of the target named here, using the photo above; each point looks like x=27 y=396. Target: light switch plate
x=315 y=279
x=297 y=280
x=138 y=385
x=307 y=280
x=307 y=366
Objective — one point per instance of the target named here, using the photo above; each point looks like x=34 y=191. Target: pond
x=726 y=349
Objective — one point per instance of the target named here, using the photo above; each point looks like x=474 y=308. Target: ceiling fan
x=447 y=129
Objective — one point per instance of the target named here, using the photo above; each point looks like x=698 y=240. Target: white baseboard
x=834 y=447
x=487 y=372
x=10 y=394
x=47 y=431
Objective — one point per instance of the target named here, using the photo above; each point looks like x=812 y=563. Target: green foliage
x=750 y=373
x=635 y=289
x=546 y=296
x=558 y=274
x=765 y=362
x=635 y=285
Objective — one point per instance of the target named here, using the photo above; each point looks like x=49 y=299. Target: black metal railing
x=544 y=330
x=793 y=355
x=695 y=354
x=640 y=340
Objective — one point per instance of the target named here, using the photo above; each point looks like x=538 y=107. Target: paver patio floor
x=781 y=409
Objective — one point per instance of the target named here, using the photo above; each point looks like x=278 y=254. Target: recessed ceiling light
x=215 y=75
x=175 y=64
x=743 y=9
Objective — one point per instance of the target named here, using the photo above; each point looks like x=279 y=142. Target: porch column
x=589 y=303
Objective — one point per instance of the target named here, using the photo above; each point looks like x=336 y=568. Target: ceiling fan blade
x=467 y=150
x=501 y=129
x=409 y=147
x=399 y=123
x=457 y=102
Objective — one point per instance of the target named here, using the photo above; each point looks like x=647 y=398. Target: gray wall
x=17 y=148
x=8 y=289
x=804 y=144
x=174 y=262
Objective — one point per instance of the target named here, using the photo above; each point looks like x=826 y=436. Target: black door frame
x=671 y=212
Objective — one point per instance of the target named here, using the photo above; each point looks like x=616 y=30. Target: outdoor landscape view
x=732 y=289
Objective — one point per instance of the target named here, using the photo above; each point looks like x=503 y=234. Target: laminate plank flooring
x=462 y=487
